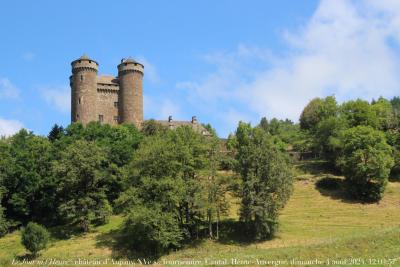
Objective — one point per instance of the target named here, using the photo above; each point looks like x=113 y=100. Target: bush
x=152 y=231
x=34 y=237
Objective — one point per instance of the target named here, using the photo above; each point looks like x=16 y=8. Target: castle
x=106 y=99
x=113 y=100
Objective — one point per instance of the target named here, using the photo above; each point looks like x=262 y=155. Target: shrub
x=151 y=231
x=34 y=237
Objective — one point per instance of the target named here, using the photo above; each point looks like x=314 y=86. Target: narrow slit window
x=115 y=104
x=101 y=118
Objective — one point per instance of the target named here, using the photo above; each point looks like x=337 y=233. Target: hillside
x=315 y=224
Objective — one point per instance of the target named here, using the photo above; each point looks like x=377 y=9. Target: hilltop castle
x=112 y=100
x=106 y=99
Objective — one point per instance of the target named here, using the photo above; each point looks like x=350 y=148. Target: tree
x=81 y=190
x=267 y=180
x=34 y=237
x=56 y=133
x=26 y=172
x=359 y=112
x=152 y=127
x=366 y=162
x=327 y=140
x=317 y=110
x=150 y=230
x=384 y=113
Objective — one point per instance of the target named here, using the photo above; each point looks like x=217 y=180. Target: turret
x=84 y=90
x=130 y=76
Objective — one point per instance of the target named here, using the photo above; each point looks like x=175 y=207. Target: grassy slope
x=314 y=224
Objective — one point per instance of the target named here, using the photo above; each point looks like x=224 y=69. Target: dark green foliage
x=152 y=127
x=359 y=112
x=4 y=224
x=166 y=170
x=56 y=133
x=151 y=231
x=327 y=138
x=26 y=174
x=317 y=110
x=385 y=114
x=34 y=237
x=366 y=162
x=81 y=190
x=267 y=180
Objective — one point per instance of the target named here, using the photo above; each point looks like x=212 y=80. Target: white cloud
x=9 y=127
x=150 y=70
x=160 y=108
x=59 y=98
x=7 y=89
x=347 y=48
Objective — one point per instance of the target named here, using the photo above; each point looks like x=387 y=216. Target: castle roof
x=107 y=79
x=84 y=56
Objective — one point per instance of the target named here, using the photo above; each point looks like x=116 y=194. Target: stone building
x=112 y=100
x=105 y=98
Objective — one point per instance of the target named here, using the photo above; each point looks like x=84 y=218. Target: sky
x=223 y=61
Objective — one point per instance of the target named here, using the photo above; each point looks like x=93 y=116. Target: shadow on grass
x=233 y=232
x=119 y=245
x=230 y=232
x=26 y=257
x=335 y=188
x=316 y=167
x=394 y=177
x=63 y=232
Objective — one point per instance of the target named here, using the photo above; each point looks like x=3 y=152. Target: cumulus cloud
x=348 y=49
x=7 y=89
x=9 y=127
x=58 y=97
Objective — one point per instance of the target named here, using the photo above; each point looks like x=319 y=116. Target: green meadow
x=317 y=227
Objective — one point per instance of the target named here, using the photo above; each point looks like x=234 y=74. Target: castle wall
x=106 y=106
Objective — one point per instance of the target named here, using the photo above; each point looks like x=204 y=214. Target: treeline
x=358 y=139
x=166 y=183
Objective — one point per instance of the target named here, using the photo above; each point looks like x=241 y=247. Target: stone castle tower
x=106 y=98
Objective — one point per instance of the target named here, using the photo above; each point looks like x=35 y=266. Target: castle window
x=81 y=77
x=79 y=100
x=77 y=116
x=101 y=118
x=115 y=104
x=116 y=119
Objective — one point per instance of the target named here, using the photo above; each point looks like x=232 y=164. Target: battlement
x=84 y=63
x=128 y=65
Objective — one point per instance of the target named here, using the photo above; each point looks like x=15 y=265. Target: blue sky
x=223 y=61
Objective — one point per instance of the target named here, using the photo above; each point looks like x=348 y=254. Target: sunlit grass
x=315 y=223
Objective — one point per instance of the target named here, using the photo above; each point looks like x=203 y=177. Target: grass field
x=316 y=224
